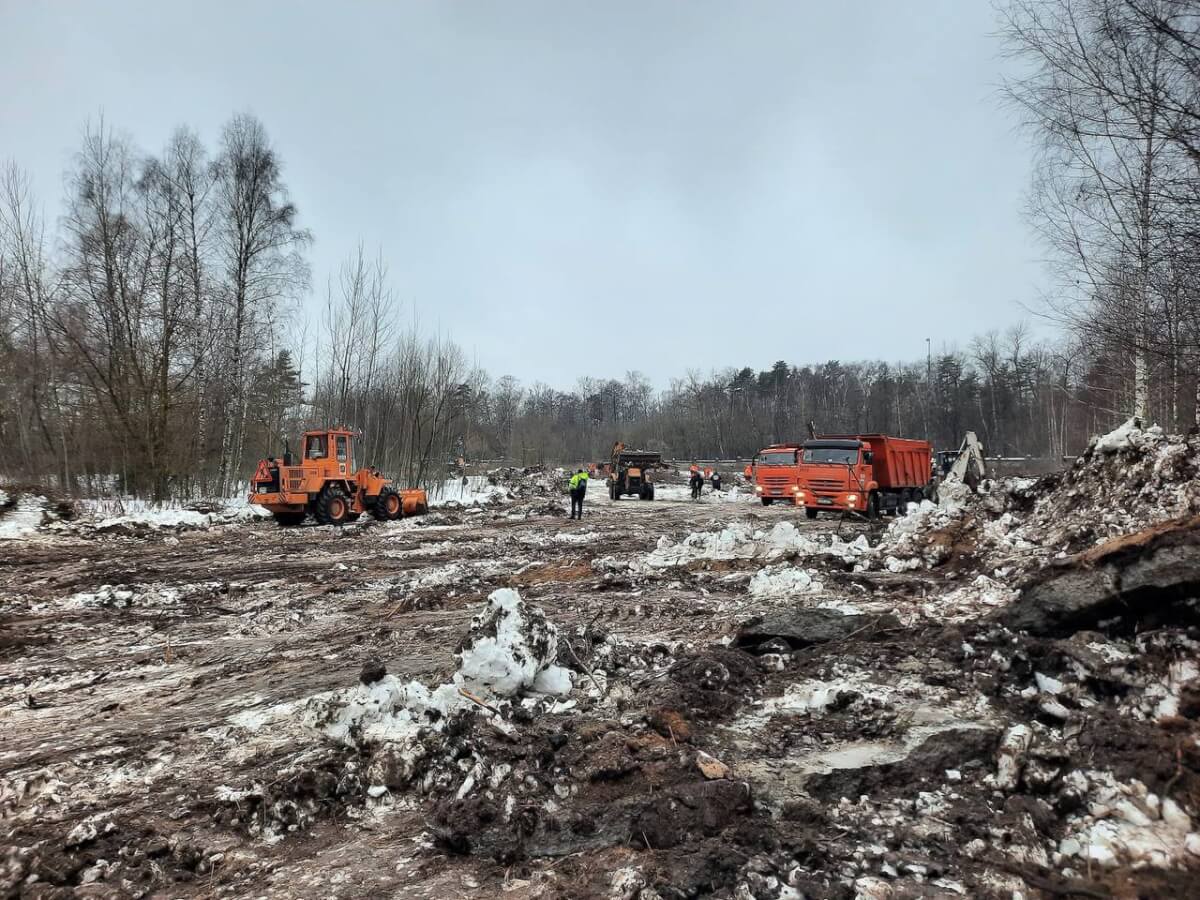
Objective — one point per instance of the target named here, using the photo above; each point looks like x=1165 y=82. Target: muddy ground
x=835 y=738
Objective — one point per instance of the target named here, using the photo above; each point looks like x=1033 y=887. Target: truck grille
x=777 y=480
x=826 y=484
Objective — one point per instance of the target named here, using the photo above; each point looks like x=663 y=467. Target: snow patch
x=23 y=518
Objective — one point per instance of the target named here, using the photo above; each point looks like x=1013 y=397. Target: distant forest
x=152 y=342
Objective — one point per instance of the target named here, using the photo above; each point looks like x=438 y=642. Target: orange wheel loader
x=325 y=485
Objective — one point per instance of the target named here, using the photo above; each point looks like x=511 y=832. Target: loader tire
x=333 y=506
x=288 y=520
x=614 y=493
x=389 y=506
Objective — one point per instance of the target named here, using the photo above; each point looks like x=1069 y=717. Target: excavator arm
x=970 y=467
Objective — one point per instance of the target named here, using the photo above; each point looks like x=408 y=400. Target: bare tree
x=1098 y=94
x=262 y=252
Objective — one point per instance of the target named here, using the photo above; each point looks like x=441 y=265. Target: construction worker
x=578 y=487
x=697 y=482
x=716 y=480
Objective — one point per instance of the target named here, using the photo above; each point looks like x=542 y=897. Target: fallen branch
x=603 y=690
x=478 y=701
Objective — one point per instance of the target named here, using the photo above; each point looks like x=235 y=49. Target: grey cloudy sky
x=572 y=188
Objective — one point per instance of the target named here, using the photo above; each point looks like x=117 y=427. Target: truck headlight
x=758 y=488
x=851 y=498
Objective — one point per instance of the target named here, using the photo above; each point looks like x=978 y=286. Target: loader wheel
x=614 y=493
x=810 y=512
x=389 y=506
x=288 y=519
x=333 y=507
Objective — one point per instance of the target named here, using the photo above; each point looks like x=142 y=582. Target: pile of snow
x=1125 y=824
x=783 y=581
x=906 y=544
x=21 y=518
x=850 y=552
x=510 y=648
x=737 y=541
x=970 y=601
x=1126 y=480
x=385 y=711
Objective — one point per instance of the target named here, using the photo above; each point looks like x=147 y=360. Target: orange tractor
x=325 y=485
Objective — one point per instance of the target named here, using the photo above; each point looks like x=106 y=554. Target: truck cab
x=835 y=474
x=865 y=473
x=776 y=471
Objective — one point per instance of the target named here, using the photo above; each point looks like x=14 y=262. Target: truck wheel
x=389 y=505
x=614 y=493
x=289 y=519
x=333 y=507
x=810 y=512
x=650 y=492
x=767 y=501
x=873 y=506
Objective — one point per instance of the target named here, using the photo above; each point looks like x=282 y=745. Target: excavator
x=969 y=465
x=325 y=485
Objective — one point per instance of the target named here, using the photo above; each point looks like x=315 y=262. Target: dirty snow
x=23 y=518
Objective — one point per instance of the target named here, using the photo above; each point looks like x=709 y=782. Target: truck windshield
x=780 y=458
x=843 y=457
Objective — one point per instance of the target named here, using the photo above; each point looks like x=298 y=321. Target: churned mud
x=665 y=700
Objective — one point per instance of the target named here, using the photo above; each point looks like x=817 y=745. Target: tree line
x=153 y=340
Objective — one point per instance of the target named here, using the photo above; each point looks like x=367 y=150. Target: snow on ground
x=737 y=541
x=23 y=518
x=663 y=491
x=510 y=649
x=477 y=491
x=266 y=739
x=169 y=514
x=1125 y=824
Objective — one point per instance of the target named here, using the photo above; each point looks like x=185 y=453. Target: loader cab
x=333 y=451
x=316 y=446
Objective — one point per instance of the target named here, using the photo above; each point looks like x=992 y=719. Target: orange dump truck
x=865 y=473
x=776 y=473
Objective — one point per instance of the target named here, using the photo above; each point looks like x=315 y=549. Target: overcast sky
x=583 y=189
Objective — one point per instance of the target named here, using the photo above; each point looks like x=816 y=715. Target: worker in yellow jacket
x=578 y=487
